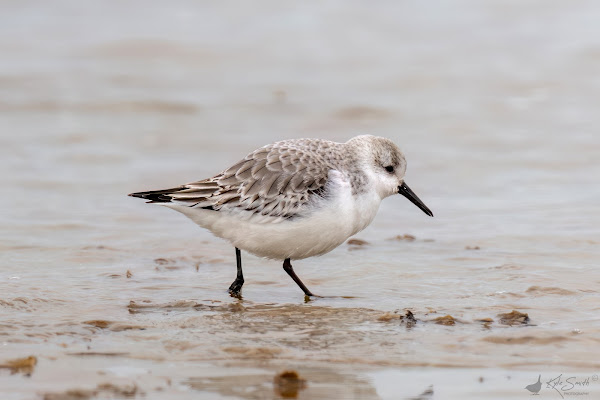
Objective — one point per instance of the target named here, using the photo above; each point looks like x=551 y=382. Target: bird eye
x=390 y=168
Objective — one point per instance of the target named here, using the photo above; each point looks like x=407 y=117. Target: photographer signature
x=567 y=384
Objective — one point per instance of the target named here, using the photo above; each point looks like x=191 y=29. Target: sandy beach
x=494 y=105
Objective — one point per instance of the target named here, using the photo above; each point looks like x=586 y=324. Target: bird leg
x=236 y=286
x=287 y=267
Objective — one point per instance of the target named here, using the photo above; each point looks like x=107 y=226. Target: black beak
x=409 y=194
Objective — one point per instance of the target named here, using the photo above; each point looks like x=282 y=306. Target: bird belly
x=318 y=230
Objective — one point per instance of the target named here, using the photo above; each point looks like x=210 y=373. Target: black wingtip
x=153 y=197
x=157 y=196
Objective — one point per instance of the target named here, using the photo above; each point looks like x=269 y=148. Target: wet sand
x=494 y=105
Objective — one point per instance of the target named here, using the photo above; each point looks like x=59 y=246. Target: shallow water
x=494 y=104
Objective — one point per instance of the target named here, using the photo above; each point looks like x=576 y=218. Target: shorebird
x=294 y=199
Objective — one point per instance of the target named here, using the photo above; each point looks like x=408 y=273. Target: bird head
x=385 y=165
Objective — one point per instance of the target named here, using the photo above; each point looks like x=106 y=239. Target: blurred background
x=491 y=102
x=494 y=103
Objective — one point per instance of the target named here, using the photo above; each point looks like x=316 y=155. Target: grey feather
x=276 y=181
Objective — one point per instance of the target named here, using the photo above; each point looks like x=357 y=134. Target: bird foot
x=235 y=290
x=310 y=297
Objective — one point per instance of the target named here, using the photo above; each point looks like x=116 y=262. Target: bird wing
x=275 y=181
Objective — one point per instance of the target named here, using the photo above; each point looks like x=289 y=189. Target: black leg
x=287 y=267
x=236 y=286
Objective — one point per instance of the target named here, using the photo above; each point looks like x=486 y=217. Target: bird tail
x=158 y=196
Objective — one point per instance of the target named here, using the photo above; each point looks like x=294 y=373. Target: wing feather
x=276 y=181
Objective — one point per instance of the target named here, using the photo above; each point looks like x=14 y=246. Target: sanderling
x=295 y=198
